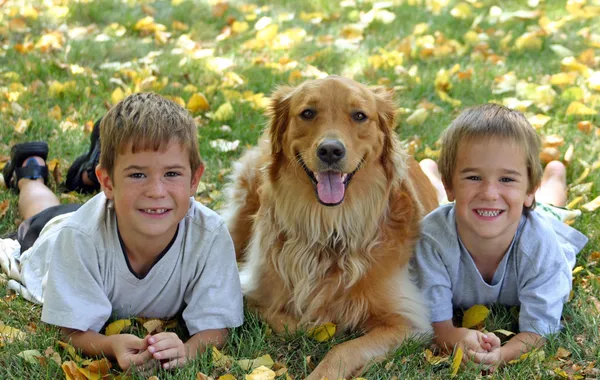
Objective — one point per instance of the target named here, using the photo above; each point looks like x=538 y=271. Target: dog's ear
x=278 y=113
x=386 y=113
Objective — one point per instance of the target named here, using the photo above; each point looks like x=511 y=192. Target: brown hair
x=491 y=121
x=149 y=122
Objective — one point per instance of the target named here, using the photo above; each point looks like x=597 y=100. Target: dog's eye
x=308 y=114
x=359 y=116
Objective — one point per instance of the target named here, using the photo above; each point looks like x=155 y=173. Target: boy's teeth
x=488 y=212
x=155 y=211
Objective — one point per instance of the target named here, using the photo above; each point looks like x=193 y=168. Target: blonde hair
x=147 y=121
x=491 y=121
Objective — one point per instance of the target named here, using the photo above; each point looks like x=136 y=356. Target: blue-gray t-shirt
x=534 y=273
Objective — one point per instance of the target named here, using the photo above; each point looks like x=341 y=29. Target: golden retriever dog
x=324 y=214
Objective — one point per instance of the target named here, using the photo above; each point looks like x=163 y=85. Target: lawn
x=63 y=63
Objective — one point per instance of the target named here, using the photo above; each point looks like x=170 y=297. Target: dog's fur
x=305 y=263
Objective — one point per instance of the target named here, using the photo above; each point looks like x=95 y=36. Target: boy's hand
x=130 y=351
x=471 y=341
x=493 y=358
x=490 y=341
x=167 y=346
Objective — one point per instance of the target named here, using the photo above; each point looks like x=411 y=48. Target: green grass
x=89 y=98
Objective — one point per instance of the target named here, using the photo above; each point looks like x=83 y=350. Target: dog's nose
x=331 y=151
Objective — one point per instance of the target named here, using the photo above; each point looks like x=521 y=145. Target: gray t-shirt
x=534 y=273
x=88 y=278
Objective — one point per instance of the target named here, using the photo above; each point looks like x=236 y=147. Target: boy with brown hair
x=490 y=245
x=142 y=247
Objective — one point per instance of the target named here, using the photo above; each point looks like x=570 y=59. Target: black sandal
x=86 y=163
x=14 y=171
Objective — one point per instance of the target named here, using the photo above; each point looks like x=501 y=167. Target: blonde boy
x=490 y=246
x=142 y=247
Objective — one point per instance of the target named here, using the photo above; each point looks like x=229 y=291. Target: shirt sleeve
x=433 y=279
x=544 y=287
x=74 y=295
x=214 y=298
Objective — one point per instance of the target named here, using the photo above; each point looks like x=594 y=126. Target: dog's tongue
x=330 y=187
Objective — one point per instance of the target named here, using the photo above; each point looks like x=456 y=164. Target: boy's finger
x=169 y=353
x=141 y=358
x=174 y=363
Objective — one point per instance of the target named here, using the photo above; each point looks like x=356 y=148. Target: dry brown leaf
x=201 y=376
x=154 y=326
x=4 y=207
x=53 y=355
x=553 y=141
x=585 y=126
x=71 y=371
x=549 y=154
x=562 y=353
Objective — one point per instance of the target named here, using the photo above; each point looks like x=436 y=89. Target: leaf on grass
x=418 y=117
x=248 y=364
x=577 y=270
x=53 y=355
x=224 y=112
x=197 y=102
x=322 y=333
x=261 y=373
x=117 y=326
x=30 y=356
x=475 y=315
x=458 y=355
x=71 y=371
x=71 y=351
x=593 y=205
x=227 y=377
x=9 y=334
x=433 y=359
x=201 y=376
x=4 y=207
x=580 y=109
x=537 y=355
x=539 y=120
x=154 y=326
x=504 y=332
x=562 y=353
x=221 y=360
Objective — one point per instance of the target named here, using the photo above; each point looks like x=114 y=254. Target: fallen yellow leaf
x=197 y=102
x=593 y=205
x=248 y=364
x=323 y=332
x=224 y=112
x=458 y=355
x=475 y=315
x=434 y=360
x=580 y=109
x=261 y=373
x=418 y=117
x=117 y=326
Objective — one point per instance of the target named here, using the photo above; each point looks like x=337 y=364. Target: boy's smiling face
x=489 y=187
x=151 y=192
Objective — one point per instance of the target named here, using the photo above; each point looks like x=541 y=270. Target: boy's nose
x=490 y=190
x=156 y=188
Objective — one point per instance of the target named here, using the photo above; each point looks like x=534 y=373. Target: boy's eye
x=473 y=178
x=172 y=174
x=137 y=175
x=506 y=179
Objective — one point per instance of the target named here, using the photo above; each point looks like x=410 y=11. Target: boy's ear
x=105 y=181
x=196 y=179
x=530 y=198
x=449 y=192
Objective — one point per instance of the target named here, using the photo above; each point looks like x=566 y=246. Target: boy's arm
x=202 y=339
x=127 y=349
